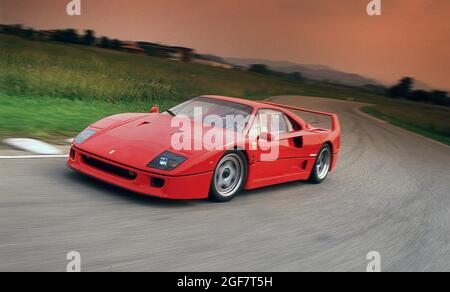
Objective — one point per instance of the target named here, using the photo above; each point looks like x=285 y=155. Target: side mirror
x=266 y=137
x=154 y=110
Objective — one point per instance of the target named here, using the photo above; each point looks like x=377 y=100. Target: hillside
x=314 y=72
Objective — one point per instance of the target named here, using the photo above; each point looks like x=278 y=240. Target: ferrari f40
x=208 y=147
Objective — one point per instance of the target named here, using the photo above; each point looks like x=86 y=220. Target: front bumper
x=149 y=183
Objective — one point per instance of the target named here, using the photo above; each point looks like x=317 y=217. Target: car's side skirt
x=257 y=175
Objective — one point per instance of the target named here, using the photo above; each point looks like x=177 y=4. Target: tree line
x=264 y=69
x=404 y=90
x=69 y=35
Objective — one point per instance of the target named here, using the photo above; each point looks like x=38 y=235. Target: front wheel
x=229 y=177
x=322 y=165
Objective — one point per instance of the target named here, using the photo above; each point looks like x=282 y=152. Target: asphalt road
x=390 y=193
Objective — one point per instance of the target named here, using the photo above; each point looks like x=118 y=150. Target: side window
x=270 y=121
x=289 y=124
x=255 y=130
x=273 y=121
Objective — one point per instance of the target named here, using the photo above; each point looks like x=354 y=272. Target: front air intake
x=157 y=182
x=109 y=168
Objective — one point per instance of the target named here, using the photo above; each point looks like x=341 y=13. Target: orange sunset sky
x=411 y=38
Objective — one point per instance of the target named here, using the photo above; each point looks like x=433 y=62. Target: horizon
x=402 y=42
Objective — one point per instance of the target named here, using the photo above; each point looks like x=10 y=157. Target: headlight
x=83 y=136
x=167 y=161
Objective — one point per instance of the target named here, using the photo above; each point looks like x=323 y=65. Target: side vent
x=298 y=142
x=304 y=165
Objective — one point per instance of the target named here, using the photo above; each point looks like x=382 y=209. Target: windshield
x=219 y=113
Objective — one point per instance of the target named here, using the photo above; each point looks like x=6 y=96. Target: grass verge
x=430 y=121
x=52 y=118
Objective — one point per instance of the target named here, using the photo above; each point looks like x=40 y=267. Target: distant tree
x=403 y=88
x=295 y=76
x=16 y=29
x=115 y=44
x=29 y=32
x=440 y=97
x=264 y=69
x=69 y=35
x=89 y=37
x=104 y=42
x=419 y=95
x=72 y=36
x=259 y=68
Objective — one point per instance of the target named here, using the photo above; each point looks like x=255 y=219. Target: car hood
x=137 y=142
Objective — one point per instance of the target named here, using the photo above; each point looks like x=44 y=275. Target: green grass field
x=51 y=90
x=427 y=120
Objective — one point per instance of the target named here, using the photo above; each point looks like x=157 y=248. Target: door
x=281 y=157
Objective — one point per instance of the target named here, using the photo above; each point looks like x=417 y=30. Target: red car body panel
x=122 y=142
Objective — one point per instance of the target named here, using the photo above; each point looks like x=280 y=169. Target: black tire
x=223 y=187
x=322 y=165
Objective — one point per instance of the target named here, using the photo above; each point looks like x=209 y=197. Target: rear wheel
x=229 y=177
x=322 y=165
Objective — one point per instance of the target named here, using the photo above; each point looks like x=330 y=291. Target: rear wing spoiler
x=335 y=125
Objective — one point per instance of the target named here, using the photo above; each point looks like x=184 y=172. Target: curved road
x=390 y=193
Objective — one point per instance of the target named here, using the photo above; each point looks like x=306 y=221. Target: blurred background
x=59 y=73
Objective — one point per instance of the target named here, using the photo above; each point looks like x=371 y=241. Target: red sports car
x=208 y=147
